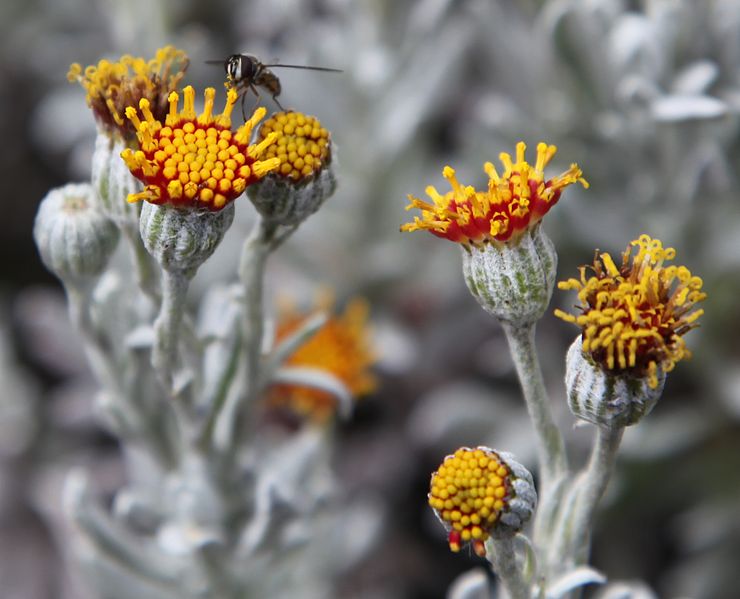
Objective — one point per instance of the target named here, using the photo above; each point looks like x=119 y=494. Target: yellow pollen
x=224 y=119
x=206 y=195
x=262 y=167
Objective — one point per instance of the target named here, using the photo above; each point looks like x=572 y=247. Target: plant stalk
x=550 y=446
x=503 y=560
x=255 y=252
x=167 y=325
x=144 y=269
x=591 y=485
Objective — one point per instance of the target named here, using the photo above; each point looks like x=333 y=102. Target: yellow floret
x=297 y=138
x=475 y=482
x=191 y=160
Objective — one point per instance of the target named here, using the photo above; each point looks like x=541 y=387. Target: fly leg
x=244 y=115
x=274 y=97
x=244 y=93
x=256 y=96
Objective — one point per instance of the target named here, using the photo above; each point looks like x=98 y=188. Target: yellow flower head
x=195 y=160
x=113 y=86
x=514 y=201
x=340 y=347
x=302 y=145
x=634 y=316
x=469 y=492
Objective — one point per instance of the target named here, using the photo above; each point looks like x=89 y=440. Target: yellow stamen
x=634 y=317
x=262 y=167
x=206 y=116
x=259 y=149
x=188 y=109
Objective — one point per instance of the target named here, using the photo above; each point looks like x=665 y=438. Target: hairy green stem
x=114 y=540
x=255 y=252
x=167 y=325
x=591 y=484
x=226 y=381
x=101 y=358
x=503 y=560
x=97 y=348
x=550 y=446
x=569 y=541
x=143 y=263
x=252 y=272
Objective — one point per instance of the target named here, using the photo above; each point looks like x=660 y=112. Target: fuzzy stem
x=226 y=381
x=591 y=484
x=108 y=373
x=167 y=325
x=550 y=447
x=252 y=273
x=143 y=264
x=551 y=510
x=503 y=560
x=554 y=540
x=115 y=541
x=97 y=348
x=254 y=255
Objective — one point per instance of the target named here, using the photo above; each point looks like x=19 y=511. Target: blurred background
x=643 y=95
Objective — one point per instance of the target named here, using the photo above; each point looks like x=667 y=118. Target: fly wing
x=308 y=68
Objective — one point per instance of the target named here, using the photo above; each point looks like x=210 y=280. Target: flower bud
x=181 y=239
x=477 y=493
x=605 y=398
x=74 y=239
x=286 y=202
x=304 y=179
x=513 y=282
x=113 y=181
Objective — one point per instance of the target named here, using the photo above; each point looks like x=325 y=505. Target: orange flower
x=634 y=316
x=513 y=203
x=340 y=347
x=195 y=160
x=112 y=87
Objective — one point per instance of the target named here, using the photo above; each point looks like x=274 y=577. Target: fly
x=245 y=72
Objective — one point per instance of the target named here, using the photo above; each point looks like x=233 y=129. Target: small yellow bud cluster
x=194 y=159
x=468 y=492
x=302 y=145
